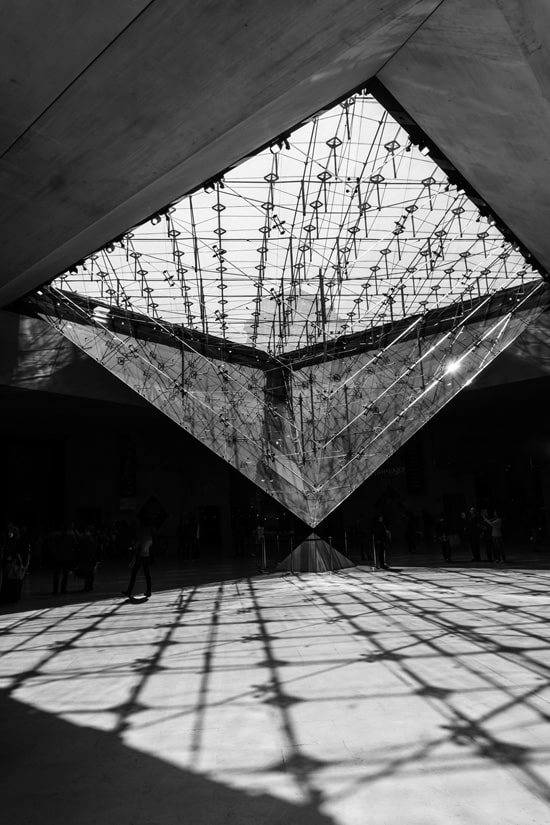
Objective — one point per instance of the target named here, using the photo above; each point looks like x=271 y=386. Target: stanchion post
x=374 y=553
x=330 y=552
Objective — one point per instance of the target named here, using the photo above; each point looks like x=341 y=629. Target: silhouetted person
x=142 y=548
x=485 y=537
x=195 y=534
x=381 y=538
x=535 y=531
x=87 y=556
x=63 y=550
x=442 y=529
x=495 y=523
x=410 y=530
x=462 y=526
x=473 y=530
x=427 y=526
x=180 y=533
x=16 y=558
x=191 y=538
x=8 y=550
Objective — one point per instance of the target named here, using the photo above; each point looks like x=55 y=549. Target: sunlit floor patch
x=348 y=698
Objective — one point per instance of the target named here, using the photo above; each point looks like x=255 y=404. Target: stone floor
x=418 y=697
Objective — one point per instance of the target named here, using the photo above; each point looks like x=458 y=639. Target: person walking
x=142 y=548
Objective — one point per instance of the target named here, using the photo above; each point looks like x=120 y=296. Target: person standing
x=474 y=528
x=495 y=523
x=63 y=543
x=410 y=530
x=462 y=526
x=381 y=538
x=87 y=557
x=485 y=537
x=16 y=559
x=142 y=548
x=443 y=536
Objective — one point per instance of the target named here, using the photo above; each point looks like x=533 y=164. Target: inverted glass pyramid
x=305 y=315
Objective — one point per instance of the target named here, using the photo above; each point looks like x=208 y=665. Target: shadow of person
x=53 y=771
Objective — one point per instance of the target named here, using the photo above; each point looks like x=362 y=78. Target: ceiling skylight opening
x=345 y=226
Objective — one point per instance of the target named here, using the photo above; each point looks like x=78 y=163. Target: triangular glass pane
x=305 y=315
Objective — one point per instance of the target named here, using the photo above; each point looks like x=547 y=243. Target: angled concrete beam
x=476 y=78
x=183 y=91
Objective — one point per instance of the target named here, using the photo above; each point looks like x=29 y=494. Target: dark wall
x=69 y=458
x=489 y=447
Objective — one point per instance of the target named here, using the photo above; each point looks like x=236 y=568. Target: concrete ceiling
x=476 y=78
x=114 y=108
